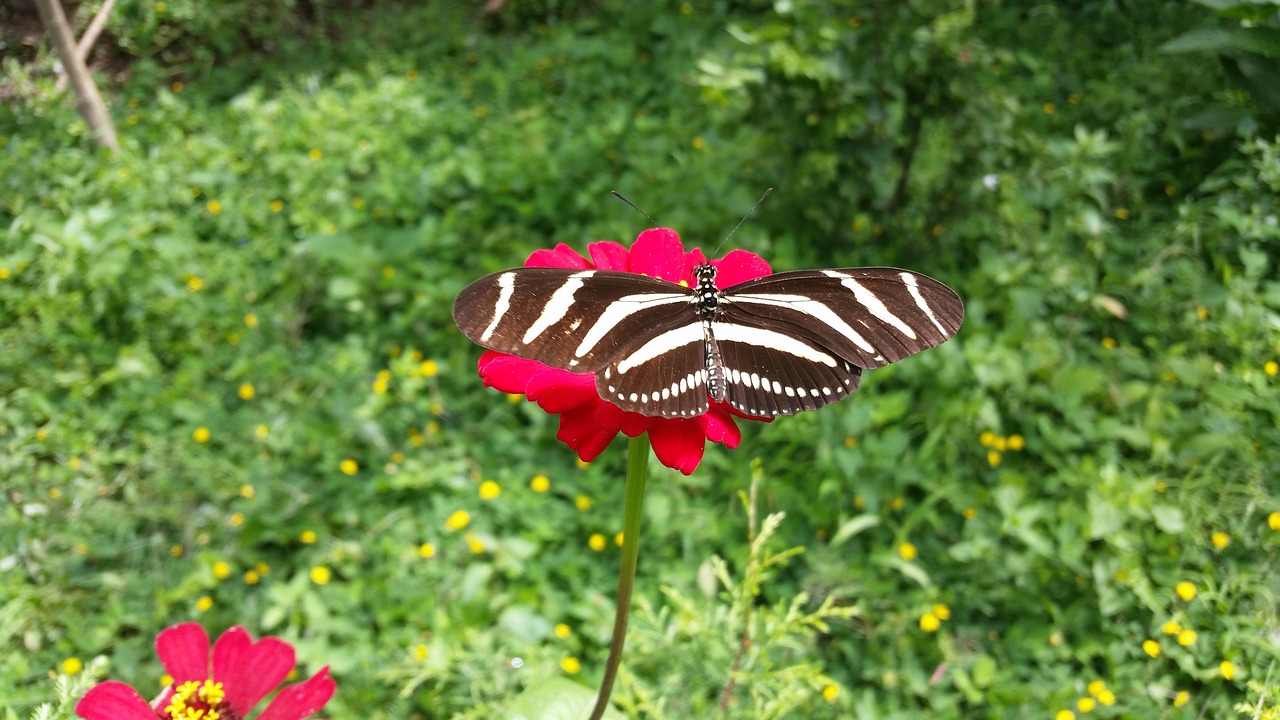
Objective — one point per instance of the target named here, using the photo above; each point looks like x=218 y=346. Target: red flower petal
x=740 y=266
x=562 y=256
x=247 y=670
x=718 y=426
x=659 y=254
x=507 y=373
x=113 y=700
x=557 y=391
x=609 y=256
x=184 y=652
x=678 y=444
x=301 y=700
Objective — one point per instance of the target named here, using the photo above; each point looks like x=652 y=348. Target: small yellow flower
x=1055 y=638
x=420 y=652
x=698 y=143
x=563 y=631
x=1182 y=698
x=571 y=665
x=1171 y=628
x=201 y=434
x=489 y=490
x=175 y=551
x=993 y=458
x=429 y=368
x=349 y=467
x=54 y=493
x=970 y=513
x=213 y=206
x=1017 y=443
x=830 y=693
x=1185 y=590
x=263 y=569
x=321 y=575
x=851 y=442
x=475 y=544
x=1106 y=697
x=315 y=154
x=1109 y=343
x=160 y=7
x=307 y=537
x=1096 y=687
x=1065 y=715
x=221 y=570
x=987 y=439
x=426 y=551
x=204 y=603
x=897 y=503
x=74 y=462
x=71 y=666
x=1271 y=368
x=1000 y=444
x=247 y=492
x=1187 y=637
x=1225 y=667
x=1202 y=312
x=247 y=392
x=276 y=206
x=236 y=519
x=194 y=283
x=380 y=385
x=233 y=338
x=1086 y=704
x=859 y=502
x=540 y=483
x=930 y=622
x=261 y=432
x=583 y=502
x=617 y=539
x=1122 y=213
x=1220 y=540
x=1162 y=486
x=1151 y=647
x=1048 y=108
x=596 y=542
x=907 y=551
x=177 y=86
x=1273 y=521
x=458 y=520
x=251 y=577
x=942 y=611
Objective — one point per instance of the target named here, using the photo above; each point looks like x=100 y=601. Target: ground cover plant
x=231 y=392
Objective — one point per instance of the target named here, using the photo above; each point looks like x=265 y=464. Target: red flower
x=226 y=686
x=588 y=423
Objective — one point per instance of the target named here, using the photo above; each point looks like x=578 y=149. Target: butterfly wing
x=799 y=340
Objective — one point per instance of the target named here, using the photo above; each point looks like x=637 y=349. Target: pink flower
x=223 y=686
x=588 y=423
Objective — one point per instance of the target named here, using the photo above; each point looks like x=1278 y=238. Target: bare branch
x=88 y=101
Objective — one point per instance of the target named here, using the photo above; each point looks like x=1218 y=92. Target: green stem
x=632 y=513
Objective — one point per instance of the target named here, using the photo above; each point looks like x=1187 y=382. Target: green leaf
x=853 y=527
x=1169 y=518
x=1263 y=41
x=556 y=699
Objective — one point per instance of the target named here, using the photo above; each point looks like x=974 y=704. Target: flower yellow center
x=196 y=700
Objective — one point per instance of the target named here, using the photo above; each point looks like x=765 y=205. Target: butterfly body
x=776 y=345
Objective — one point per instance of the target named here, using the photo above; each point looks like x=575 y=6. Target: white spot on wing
x=506 y=286
x=556 y=307
x=913 y=287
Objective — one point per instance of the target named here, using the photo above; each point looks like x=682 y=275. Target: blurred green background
x=231 y=391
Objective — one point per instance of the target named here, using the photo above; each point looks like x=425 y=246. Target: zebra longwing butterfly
x=775 y=345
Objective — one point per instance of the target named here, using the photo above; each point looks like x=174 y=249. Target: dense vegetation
x=230 y=389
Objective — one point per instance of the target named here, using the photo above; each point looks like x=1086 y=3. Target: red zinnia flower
x=224 y=686
x=588 y=423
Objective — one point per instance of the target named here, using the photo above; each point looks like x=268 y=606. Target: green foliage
x=991 y=529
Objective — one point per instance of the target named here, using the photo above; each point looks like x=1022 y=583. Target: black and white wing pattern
x=772 y=346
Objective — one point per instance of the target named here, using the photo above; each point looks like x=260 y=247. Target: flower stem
x=632 y=513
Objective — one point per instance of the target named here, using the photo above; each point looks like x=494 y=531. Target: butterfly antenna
x=744 y=219
x=633 y=205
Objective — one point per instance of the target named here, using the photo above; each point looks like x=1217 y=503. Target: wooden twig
x=88 y=101
x=87 y=40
